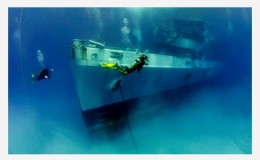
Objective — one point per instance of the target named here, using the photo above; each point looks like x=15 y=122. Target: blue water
x=45 y=117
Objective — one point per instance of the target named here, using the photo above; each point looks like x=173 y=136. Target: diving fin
x=108 y=65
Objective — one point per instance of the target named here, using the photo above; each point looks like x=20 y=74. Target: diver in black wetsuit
x=44 y=73
x=137 y=65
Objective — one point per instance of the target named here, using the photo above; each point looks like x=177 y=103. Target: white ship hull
x=97 y=86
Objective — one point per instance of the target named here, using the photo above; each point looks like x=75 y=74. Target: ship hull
x=98 y=85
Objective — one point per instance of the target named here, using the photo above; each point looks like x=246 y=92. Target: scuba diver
x=43 y=74
x=137 y=65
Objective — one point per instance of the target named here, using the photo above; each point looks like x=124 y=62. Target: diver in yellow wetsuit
x=137 y=65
